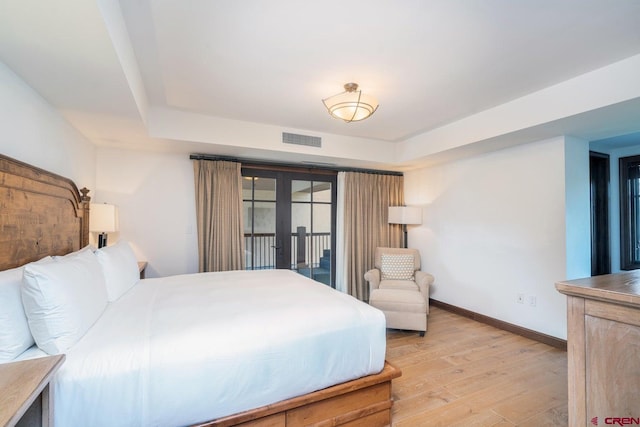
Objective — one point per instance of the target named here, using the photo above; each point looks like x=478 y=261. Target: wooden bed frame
x=365 y=402
x=42 y=214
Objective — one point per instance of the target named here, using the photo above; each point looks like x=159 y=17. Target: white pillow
x=63 y=299
x=72 y=254
x=396 y=267
x=15 y=336
x=120 y=268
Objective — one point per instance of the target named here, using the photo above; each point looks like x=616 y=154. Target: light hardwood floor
x=466 y=373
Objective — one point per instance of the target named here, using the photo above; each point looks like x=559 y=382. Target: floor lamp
x=405 y=215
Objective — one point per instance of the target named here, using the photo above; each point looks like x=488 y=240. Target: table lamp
x=103 y=219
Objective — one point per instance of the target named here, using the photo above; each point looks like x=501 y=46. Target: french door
x=599 y=185
x=629 y=212
x=289 y=222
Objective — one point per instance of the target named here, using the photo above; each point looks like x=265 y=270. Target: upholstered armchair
x=399 y=288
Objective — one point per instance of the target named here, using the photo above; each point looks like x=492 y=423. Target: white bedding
x=191 y=348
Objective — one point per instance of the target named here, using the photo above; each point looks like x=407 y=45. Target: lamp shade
x=103 y=218
x=351 y=105
x=405 y=215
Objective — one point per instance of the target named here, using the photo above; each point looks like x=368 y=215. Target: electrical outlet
x=520 y=299
x=532 y=300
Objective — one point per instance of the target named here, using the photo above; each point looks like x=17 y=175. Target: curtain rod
x=249 y=162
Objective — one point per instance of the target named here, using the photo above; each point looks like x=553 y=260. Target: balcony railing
x=307 y=249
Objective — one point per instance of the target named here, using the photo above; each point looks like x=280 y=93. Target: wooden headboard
x=41 y=214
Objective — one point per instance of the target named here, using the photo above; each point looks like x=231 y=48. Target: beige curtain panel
x=367 y=198
x=219 y=215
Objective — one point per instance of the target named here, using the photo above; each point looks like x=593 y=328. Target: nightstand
x=25 y=395
x=142 y=265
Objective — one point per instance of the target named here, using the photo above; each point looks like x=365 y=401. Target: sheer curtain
x=219 y=215
x=363 y=202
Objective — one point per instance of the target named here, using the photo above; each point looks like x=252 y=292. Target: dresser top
x=621 y=288
x=21 y=383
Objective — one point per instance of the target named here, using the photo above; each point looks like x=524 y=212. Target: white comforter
x=191 y=348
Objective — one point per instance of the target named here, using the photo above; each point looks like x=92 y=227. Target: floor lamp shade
x=103 y=219
x=405 y=215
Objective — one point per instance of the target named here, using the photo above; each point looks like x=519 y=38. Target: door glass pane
x=322 y=192
x=300 y=191
x=311 y=229
x=260 y=231
x=247 y=188
x=265 y=188
x=259 y=210
x=321 y=242
x=300 y=234
x=300 y=226
x=248 y=240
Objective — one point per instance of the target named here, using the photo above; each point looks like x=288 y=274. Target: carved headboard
x=41 y=214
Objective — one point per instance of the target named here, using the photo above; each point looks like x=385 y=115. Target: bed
x=212 y=349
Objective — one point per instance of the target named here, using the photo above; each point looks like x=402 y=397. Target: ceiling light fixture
x=351 y=105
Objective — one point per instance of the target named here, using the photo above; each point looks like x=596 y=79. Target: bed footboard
x=366 y=401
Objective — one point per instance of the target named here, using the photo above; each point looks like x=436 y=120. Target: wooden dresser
x=603 y=346
x=25 y=395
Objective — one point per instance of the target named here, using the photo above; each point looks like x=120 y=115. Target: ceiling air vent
x=294 y=138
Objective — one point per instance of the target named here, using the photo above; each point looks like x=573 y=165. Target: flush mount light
x=351 y=105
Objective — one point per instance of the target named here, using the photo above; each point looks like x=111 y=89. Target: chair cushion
x=396 y=267
x=399 y=284
x=398 y=300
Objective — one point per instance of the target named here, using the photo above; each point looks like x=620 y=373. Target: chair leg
x=421 y=333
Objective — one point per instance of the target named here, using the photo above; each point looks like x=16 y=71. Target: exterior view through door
x=289 y=222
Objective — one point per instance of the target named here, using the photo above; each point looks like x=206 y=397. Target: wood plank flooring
x=466 y=373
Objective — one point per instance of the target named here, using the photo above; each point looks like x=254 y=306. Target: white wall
x=35 y=133
x=495 y=226
x=577 y=208
x=156 y=199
